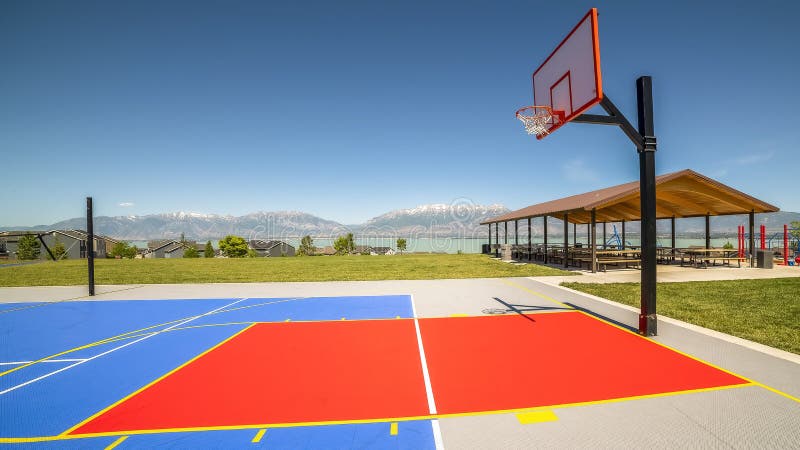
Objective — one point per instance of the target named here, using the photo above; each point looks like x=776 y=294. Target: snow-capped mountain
x=456 y=220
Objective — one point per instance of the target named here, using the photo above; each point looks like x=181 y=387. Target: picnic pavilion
x=681 y=194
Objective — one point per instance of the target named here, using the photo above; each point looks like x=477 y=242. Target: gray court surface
x=763 y=415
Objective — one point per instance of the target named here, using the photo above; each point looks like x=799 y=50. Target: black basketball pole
x=647 y=190
x=90 y=243
x=645 y=141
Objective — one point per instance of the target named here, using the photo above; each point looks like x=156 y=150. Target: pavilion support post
x=574 y=233
x=516 y=232
x=529 y=240
x=672 y=235
x=708 y=230
x=566 y=239
x=505 y=232
x=593 y=240
x=545 y=239
x=623 y=235
x=604 y=235
x=588 y=234
x=490 y=239
x=752 y=231
x=496 y=239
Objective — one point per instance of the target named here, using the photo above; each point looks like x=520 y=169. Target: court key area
x=359 y=371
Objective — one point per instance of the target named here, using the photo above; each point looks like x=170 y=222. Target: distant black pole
x=90 y=243
x=647 y=189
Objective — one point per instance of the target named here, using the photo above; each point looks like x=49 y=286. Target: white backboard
x=569 y=79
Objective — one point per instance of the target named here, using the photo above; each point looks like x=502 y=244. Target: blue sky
x=349 y=109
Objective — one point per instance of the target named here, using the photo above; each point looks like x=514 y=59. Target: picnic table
x=700 y=257
x=605 y=257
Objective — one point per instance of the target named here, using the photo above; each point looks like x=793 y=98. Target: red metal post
x=740 y=242
x=785 y=245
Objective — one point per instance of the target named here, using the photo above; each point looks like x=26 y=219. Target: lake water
x=473 y=245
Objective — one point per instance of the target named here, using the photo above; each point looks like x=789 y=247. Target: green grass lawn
x=765 y=311
x=220 y=270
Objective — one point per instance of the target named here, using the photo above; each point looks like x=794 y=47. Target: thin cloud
x=576 y=170
x=754 y=158
x=126 y=204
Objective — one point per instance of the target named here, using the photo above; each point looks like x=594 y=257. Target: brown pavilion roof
x=679 y=194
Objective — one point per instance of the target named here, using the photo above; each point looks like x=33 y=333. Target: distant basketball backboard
x=569 y=80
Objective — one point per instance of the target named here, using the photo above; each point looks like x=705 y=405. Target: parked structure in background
x=271 y=248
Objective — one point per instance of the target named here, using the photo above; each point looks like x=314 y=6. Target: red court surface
x=301 y=372
x=284 y=373
x=510 y=362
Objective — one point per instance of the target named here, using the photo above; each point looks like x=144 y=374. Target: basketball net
x=538 y=120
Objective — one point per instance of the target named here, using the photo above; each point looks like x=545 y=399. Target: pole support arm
x=615 y=117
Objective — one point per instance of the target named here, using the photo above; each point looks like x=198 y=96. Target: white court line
x=117 y=348
x=17 y=363
x=437 y=432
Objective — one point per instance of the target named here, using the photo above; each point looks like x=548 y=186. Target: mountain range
x=436 y=220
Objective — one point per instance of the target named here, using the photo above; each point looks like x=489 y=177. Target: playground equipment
x=616 y=240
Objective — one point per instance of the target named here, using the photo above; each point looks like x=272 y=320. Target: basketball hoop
x=538 y=120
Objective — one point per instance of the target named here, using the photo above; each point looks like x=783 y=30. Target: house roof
x=258 y=244
x=167 y=246
x=685 y=193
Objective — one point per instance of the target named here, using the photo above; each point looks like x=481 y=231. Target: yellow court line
x=97 y=414
x=258 y=436
x=537 y=417
x=393 y=429
x=546 y=297
x=750 y=381
x=116 y=443
x=65 y=436
x=459 y=315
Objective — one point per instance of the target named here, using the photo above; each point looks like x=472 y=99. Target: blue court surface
x=62 y=363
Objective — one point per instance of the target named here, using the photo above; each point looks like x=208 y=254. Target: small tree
x=59 y=251
x=209 y=251
x=28 y=248
x=233 y=247
x=306 y=246
x=344 y=245
x=123 y=250
x=191 y=252
x=401 y=245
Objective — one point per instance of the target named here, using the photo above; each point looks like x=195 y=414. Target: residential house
x=382 y=251
x=74 y=242
x=167 y=249
x=327 y=251
x=271 y=248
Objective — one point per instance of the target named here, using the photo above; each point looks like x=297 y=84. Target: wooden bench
x=713 y=259
x=603 y=262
